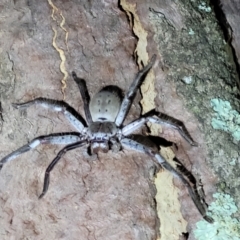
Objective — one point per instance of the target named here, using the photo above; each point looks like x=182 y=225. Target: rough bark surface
x=198 y=59
x=231 y=20
x=228 y=16
x=111 y=196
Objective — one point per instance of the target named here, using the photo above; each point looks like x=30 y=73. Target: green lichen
x=203 y=6
x=224 y=227
x=226 y=118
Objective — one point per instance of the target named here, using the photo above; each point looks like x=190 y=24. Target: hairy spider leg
x=58 y=106
x=85 y=95
x=199 y=203
x=162 y=119
x=55 y=161
x=56 y=138
x=129 y=97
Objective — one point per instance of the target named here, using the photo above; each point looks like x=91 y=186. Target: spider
x=104 y=130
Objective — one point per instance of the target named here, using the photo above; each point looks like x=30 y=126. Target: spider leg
x=85 y=95
x=55 y=161
x=58 y=106
x=199 y=203
x=57 y=138
x=159 y=118
x=128 y=99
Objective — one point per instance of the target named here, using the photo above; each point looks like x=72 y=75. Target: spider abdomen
x=105 y=105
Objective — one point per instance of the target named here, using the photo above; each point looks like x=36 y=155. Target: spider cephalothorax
x=104 y=129
x=104 y=108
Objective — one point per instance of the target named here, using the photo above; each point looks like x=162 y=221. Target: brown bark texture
x=113 y=195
